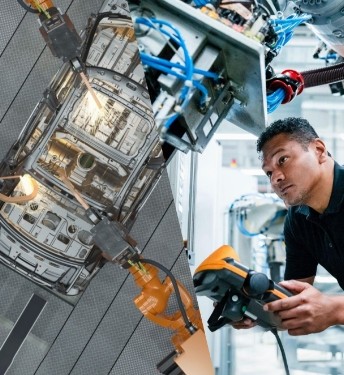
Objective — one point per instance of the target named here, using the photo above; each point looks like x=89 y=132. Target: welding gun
x=57 y=30
x=238 y=291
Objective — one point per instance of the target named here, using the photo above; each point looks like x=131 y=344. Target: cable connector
x=77 y=65
x=290 y=81
x=113 y=240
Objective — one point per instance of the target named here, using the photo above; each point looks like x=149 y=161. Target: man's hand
x=309 y=311
x=245 y=323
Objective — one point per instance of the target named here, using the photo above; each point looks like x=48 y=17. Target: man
x=311 y=184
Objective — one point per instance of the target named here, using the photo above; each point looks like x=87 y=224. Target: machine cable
x=280 y=345
x=27 y=7
x=188 y=324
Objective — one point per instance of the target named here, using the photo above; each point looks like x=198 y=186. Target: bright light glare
x=91 y=108
x=27 y=184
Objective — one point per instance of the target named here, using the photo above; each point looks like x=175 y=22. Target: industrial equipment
x=82 y=168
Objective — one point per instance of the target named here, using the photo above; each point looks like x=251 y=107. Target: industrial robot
x=82 y=168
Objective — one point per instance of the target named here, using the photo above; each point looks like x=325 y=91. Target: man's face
x=293 y=170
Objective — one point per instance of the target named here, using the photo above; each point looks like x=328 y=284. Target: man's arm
x=309 y=311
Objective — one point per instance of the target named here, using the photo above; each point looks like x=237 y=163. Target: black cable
x=279 y=342
x=91 y=33
x=188 y=324
x=27 y=7
x=265 y=9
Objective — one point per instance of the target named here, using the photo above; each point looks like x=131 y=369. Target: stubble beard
x=298 y=200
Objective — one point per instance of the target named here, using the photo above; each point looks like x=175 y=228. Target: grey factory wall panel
x=83 y=322
x=155 y=206
x=15 y=292
x=103 y=333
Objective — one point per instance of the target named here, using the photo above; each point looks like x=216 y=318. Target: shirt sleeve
x=300 y=263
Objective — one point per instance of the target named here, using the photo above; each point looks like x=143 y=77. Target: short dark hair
x=299 y=130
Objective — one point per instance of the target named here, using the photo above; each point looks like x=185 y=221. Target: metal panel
x=11 y=16
x=20 y=331
x=83 y=322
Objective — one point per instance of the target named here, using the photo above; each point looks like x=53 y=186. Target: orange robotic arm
x=154 y=297
x=191 y=355
x=40 y=5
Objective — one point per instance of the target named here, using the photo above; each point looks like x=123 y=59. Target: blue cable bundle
x=183 y=72
x=275 y=99
x=200 y=3
x=329 y=56
x=284 y=29
x=242 y=228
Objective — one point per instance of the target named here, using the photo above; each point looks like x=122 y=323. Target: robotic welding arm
x=153 y=301
x=191 y=354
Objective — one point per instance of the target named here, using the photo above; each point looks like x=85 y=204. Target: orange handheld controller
x=238 y=291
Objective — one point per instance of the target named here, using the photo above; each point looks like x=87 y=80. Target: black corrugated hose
x=323 y=76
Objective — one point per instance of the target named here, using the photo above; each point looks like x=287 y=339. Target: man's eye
x=269 y=174
x=282 y=159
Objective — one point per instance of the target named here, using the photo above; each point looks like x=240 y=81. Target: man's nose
x=277 y=177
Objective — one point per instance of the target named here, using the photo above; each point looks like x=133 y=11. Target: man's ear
x=320 y=150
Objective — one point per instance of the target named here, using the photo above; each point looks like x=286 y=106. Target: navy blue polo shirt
x=312 y=238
